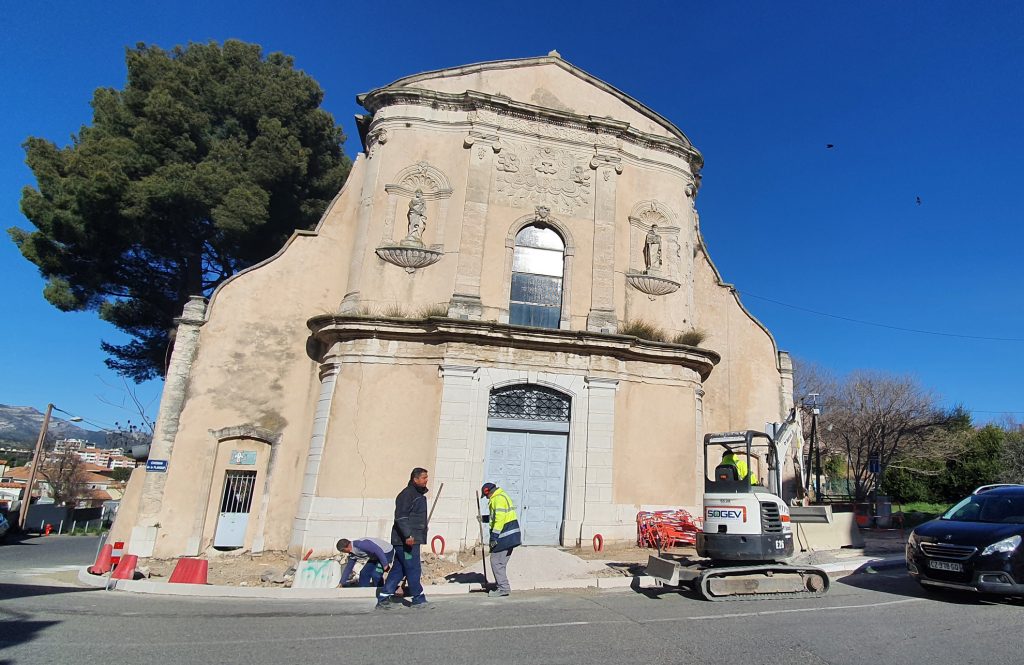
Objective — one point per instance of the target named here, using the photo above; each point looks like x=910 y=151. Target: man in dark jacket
x=409 y=532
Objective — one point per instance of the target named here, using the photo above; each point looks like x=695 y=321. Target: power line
x=881 y=325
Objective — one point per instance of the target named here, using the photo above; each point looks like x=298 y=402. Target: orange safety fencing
x=667 y=528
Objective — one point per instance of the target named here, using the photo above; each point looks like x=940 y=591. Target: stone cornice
x=328 y=329
x=472 y=100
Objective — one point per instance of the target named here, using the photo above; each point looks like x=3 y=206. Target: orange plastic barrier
x=126 y=568
x=103 y=561
x=190 y=571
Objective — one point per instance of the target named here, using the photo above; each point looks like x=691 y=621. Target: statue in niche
x=417 y=220
x=652 y=251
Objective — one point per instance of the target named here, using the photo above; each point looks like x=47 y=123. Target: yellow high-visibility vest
x=740 y=463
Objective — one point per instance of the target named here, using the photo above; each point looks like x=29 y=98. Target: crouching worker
x=375 y=554
x=505 y=535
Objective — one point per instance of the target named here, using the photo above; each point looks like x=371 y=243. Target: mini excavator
x=747 y=534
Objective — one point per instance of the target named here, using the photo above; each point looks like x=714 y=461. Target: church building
x=512 y=287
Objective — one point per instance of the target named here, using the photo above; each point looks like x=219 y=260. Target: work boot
x=420 y=603
x=386 y=603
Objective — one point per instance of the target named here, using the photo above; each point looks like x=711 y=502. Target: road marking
x=485 y=629
x=789 y=611
x=44 y=571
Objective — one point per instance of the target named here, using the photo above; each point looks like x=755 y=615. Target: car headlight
x=912 y=540
x=1004 y=545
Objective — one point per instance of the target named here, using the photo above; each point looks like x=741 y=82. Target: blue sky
x=920 y=99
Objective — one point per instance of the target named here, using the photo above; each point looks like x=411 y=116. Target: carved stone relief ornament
x=542 y=175
x=375 y=139
x=610 y=163
x=546 y=129
x=691 y=193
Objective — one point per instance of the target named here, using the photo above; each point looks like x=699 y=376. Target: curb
x=284 y=593
x=859 y=565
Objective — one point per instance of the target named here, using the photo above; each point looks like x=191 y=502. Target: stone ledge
x=329 y=328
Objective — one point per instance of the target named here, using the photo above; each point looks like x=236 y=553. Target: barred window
x=529 y=403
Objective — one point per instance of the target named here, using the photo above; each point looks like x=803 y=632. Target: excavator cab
x=744 y=521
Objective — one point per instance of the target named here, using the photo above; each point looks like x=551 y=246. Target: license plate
x=946 y=565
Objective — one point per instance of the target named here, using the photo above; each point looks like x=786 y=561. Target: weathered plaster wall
x=383 y=419
x=744 y=390
x=128 y=508
x=252 y=368
x=655 y=451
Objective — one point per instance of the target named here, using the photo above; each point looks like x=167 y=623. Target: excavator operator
x=729 y=458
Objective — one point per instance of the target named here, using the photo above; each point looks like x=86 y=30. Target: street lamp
x=27 y=499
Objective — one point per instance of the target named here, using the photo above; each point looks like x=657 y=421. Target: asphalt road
x=877 y=619
x=39 y=554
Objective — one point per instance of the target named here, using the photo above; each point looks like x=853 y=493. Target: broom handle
x=483 y=551
x=434 y=505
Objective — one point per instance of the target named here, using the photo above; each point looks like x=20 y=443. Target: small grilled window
x=529 y=403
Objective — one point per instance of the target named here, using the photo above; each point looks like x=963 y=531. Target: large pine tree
x=200 y=167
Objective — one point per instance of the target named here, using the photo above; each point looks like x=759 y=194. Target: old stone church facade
x=463 y=306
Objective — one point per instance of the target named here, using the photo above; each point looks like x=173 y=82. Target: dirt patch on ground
x=252 y=569
x=625 y=558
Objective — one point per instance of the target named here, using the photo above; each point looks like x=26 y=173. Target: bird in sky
x=829 y=146
x=919 y=200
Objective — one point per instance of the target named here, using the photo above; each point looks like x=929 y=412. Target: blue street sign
x=159 y=465
x=874 y=465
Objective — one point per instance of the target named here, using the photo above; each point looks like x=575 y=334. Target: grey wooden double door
x=530 y=467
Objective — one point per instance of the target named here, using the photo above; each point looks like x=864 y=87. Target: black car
x=975 y=546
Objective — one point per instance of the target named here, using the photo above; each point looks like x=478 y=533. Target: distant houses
x=95 y=476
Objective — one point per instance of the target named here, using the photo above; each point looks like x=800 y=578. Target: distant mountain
x=21 y=424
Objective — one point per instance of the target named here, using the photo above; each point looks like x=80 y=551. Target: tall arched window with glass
x=537 y=264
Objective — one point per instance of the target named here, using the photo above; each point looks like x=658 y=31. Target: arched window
x=536 y=294
x=528 y=402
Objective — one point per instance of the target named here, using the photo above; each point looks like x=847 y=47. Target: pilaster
x=172 y=401
x=350 y=302
x=329 y=371
x=465 y=302
x=602 y=309
x=456 y=434
x=599 y=510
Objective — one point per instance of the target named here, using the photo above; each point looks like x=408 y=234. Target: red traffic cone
x=189 y=571
x=126 y=568
x=103 y=564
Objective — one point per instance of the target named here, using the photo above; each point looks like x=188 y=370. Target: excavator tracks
x=760 y=582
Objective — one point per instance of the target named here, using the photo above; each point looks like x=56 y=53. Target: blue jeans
x=407 y=566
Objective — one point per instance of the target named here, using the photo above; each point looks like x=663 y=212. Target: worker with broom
x=505 y=535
